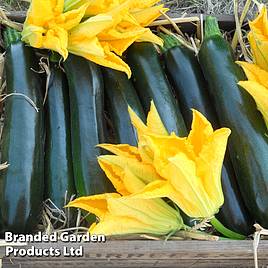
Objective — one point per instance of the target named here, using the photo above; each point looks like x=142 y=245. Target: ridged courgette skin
x=59 y=177
x=119 y=93
x=151 y=83
x=87 y=124
x=248 y=142
x=22 y=143
x=191 y=88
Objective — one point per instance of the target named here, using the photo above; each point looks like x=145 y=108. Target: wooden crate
x=147 y=253
x=169 y=254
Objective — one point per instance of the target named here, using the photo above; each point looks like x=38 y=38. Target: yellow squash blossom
x=256 y=86
x=82 y=39
x=123 y=215
x=146 y=16
x=190 y=168
x=258 y=38
x=154 y=125
x=128 y=21
x=46 y=25
x=123 y=172
x=120 y=214
x=95 y=7
x=64 y=32
x=110 y=60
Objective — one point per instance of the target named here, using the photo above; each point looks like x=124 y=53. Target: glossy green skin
x=248 y=142
x=191 y=88
x=87 y=129
x=151 y=84
x=22 y=144
x=59 y=175
x=119 y=93
x=186 y=77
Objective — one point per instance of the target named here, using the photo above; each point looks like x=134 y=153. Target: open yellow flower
x=95 y=7
x=154 y=125
x=82 y=39
x=256 y=86
x=110 y=60
x=129 y=19
x=46 y=25
x=145 y=16
x=128 y=175
x=120 y=214
x=190 y=168
x=258 y=38
x=123 y=215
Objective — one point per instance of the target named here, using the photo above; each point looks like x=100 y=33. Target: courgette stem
x=211 y=27
x=225 y=231
x=169 y=41
x=11 y=36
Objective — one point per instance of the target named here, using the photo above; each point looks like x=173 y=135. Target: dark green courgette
x=186 y=77
x=119 y=93
x=236 y=109
x=151 y=84
x=22 y=141
x=87 y=124
x=59 y=177
x=191 y=88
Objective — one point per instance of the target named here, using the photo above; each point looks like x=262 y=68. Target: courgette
x=191 y=88
x=22 y=141
x=119 y=93
x=87 y=124
x=151 y=83
x=236 y=109
x=59 y=177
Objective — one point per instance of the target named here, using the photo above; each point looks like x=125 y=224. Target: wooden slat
x=151 y=254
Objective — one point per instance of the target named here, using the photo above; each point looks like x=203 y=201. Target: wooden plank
x=150 y=254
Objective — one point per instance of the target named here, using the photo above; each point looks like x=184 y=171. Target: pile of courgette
x=51 y=148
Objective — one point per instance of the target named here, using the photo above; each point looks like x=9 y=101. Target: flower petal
x=86 y=47
x=148 y=36
x=56 y=39
x=74 y=4
x=260 y=24
x=115 y=174
x=154 y=122
x=101 y=6
x=121 y=45
x=33 y=35
x=37 y=7
x=122 y=150
x=145 y=172
x=137 y=123
x=90 y=27
x=96 y=204
x=255 y=73
x=165 y=147
x=141 y=4
x=260 y=95
x=147 y=15
x=129 y=215
x=191 y=196
x=258 y=39
x=209 y=165
x=200 y=132
x=72 y=18
x=110 y=60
